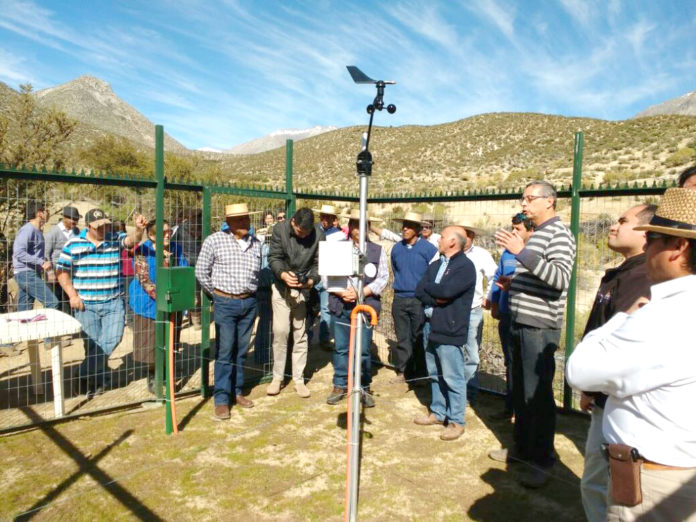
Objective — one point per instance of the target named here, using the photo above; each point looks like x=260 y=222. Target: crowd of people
x=634 y=366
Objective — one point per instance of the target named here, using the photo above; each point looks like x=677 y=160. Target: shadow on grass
x=87 y=465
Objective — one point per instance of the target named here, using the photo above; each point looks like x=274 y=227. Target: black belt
x=245 y=295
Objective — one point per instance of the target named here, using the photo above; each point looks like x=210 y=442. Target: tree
x=114 y=155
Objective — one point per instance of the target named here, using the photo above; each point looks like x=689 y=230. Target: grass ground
x=282 y=460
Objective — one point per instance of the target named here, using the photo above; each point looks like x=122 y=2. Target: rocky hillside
x=92 y=102
x=684 y=105
x=277 y=139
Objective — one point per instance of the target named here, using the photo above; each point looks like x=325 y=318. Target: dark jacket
x=450 y=321
x=618 y=290
x=288 y=253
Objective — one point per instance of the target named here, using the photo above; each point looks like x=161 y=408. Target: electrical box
x=176 y=289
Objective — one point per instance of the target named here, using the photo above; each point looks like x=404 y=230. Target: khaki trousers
x=668 y=496
x=289 y=314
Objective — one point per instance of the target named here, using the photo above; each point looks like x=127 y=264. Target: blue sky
x=218 y=73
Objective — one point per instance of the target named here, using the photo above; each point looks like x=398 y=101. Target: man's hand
x=504 y=283
x=309 y=284
x=586 y=402
x=76 y=303
x=511 y=241
x=638 y=303
x=486 y=304
x=140 y=223
x=290 y=279
x=349 y=295
x=46 y=266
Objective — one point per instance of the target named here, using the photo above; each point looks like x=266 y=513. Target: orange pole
x=353 y=319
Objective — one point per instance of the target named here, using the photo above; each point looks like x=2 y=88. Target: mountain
x=93 y=102
x=683 y=105
x=277 y=139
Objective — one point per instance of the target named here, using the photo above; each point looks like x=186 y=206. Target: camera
x=302 y=278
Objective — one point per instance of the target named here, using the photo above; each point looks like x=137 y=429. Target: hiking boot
x=452 y=432
x=535 y=478
x=506 y=455
x=368 y=399
x=221 y=412
x=242 y=401
x=274 y=387
x=337 y=395
x=428 y=420
x=302 y=390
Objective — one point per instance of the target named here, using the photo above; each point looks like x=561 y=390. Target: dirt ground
x=284 y=459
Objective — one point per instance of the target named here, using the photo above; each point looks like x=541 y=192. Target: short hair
x=547 y=190
x=691 y=263
x=520 y=217
x=304 y=218
x=645 y=215
x=151 y=226
x=686 y=174
x=268 y=213
x=34 y=207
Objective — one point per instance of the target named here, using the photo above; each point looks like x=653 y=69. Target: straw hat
x=466 y=226
x=676 y=214
x=412 y=217
x=329 y=210
x=354 y=214
x=238 y=209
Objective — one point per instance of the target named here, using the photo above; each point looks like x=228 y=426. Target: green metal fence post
x=290 y=197
x=572 y=287
x=205 y=302
x=159 y=216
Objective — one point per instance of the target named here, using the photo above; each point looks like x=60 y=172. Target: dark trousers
x=408 y=356
x=504 y=326
x=533 y=367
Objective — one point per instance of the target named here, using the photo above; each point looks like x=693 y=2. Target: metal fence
x=193 y=211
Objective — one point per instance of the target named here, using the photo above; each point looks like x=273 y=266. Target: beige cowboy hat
x=354 y=214
x=411 y=217
x=238 y=209
x=675 y=215
x=466 y=226
x=329 y=210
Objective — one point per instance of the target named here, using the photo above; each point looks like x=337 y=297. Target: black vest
x=337 y=305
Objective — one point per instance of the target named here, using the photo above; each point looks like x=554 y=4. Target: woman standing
x=142 y=295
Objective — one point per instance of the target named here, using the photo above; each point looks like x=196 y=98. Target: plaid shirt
x=224 y=265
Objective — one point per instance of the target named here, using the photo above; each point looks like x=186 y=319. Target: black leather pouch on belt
x=624 y=468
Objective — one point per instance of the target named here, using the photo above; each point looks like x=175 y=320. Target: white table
x=53 y=327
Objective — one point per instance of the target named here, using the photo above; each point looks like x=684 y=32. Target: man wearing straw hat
x=327 y=216
x=228 y=270
x=342 y=302
x=410 y=258
x=645 y=361
x=427 y=231
x=295 y=264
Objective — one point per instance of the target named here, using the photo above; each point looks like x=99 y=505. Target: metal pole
x=205 y=302
x=572 y=287
x=159 y=257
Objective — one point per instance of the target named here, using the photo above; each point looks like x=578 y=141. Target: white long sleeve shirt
x=646 y=363
x=485 y=267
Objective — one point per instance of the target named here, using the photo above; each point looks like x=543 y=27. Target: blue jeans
x=102 y=329
x=234 y=320
x=32 y=287
x=472 y=344
x=341 y=330
x=325 y=321
x=449 y=369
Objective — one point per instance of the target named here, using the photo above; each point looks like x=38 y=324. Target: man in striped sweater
x=537 y=301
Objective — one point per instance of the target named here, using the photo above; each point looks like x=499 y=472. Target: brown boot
x=428 y=420
x=452 y=432
x=221 y=412
x=242 y=401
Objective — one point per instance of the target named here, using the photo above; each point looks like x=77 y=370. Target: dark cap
x=96 y=218
x=72 y=213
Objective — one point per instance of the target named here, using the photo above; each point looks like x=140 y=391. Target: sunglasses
x=281 y=218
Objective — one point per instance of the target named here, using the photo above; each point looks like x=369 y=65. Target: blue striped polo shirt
x=95 y=270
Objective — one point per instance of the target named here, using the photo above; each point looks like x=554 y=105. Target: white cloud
x=502 y=16
x=13 y=70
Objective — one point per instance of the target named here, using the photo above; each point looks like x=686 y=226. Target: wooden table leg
x=35 y=366
x=57 y=372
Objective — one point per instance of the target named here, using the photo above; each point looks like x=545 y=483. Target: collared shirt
x=94 y=269
x=444 y=261
x=224 y=264
x=485 y=267
x=646 y=363
x=68 y=233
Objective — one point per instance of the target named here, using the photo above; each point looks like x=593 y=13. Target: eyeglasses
x=429 y=227
x=281 y=218
x=529 y=199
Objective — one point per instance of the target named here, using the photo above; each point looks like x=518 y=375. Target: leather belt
x=245 y=295
x=647 y=464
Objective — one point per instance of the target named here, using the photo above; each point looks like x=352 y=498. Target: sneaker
x=535 y=478
x=337 y=395
x=221 y=412
x=368 y=399
x=302 y=390
x=452 y=432
x=274 y=387
x=506 y=455
x=428 y=420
